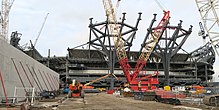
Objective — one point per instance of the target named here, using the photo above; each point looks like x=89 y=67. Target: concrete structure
x=20 y=70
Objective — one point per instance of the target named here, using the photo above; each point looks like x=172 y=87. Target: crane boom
x=41 y=29
x=150 y=44
x=208 y=10
x=118 y=43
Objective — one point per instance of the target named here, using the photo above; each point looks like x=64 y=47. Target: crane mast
x=119 y=45
x=114 y=29
x=115 y=32
x=208 y=10
x=4 y=20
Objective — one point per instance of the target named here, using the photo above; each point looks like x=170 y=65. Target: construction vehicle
x=145 y=87
x=75 y=89
x=211 y=97
x=145 y=53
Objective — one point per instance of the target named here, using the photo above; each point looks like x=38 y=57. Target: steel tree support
x=150 y=42
x=169 y=45
x=103 y=38
x=119 y=44
x=208 y=10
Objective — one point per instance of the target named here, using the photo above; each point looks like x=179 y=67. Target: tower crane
x=4 y=19
x=41 y=29
x=208 y=10
x=119 y=45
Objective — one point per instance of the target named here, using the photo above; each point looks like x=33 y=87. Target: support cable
x=160 y=6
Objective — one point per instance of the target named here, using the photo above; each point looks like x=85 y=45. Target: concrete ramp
x=21 y=71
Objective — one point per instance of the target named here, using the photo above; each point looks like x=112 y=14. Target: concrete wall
x=11 y=61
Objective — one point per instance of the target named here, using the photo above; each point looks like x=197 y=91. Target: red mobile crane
x=140 y=87
x=145 y=53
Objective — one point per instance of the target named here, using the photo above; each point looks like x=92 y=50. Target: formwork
x=20 y=72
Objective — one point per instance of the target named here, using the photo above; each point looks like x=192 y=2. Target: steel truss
x=169 y=45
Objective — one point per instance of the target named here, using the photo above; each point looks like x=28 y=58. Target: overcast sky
x=68 y=20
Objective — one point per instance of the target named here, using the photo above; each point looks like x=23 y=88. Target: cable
x=158 y=3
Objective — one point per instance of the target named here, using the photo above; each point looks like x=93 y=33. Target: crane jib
x=119 y=44
x=151 y=43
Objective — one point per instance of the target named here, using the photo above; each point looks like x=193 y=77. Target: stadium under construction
x=155 y=67
x=175 y=65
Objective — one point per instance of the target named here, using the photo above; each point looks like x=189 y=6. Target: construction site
x=111 y=73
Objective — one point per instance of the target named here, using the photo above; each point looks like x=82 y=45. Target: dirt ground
x=103 y=101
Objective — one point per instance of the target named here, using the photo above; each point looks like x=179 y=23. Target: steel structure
x=101 y=39
x=169 y=45
x=149 y=43
x=204 y=54
x=204 y=58
x=209 y=10
x=108 y=37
